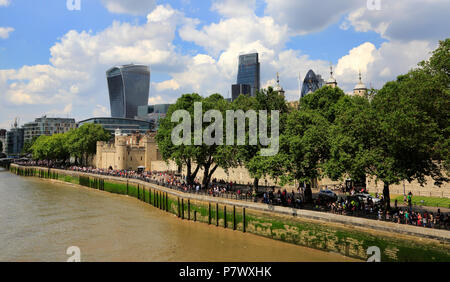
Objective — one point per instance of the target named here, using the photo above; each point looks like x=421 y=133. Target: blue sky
x=52 y=60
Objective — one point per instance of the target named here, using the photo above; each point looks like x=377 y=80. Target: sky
x=53 y=56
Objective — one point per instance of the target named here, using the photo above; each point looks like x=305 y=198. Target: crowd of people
x=345 y=204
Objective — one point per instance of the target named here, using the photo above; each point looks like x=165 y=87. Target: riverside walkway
x=156 y=180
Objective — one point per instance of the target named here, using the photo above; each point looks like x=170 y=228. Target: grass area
x=422 y=201
x=426 y=201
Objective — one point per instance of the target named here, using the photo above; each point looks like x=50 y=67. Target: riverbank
x=346 y=235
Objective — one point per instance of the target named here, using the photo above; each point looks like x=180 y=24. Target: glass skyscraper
x=129 y=87
x=311 y=83
x=249 y=71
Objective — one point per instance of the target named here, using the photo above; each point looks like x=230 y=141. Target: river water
x=39 y=220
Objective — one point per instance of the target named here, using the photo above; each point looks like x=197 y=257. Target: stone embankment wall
x=350 y=236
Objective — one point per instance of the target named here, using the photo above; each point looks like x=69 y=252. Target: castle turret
x=331 y=81
x=99 y=154
x=278 y=87
x=151 y=153
x=121 y=152
x=360 y=88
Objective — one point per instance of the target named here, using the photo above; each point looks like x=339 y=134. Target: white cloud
x=236 y=33
x=76 y=72
x=5 y=31
x=234 y=8
x=405 y=20
x=101 y=111
x=357 y=60
x=380 y=65
x=308 y=16
x=159 y=100
x=167 y=85
x=75 y=75
x=133 y=7
x=4 y=3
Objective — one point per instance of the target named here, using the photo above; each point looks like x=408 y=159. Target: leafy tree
x=40 y=148
x=415 y=115
x=1 y=146
x=304 y=144
x=250 y=155
x=82 y=142
x=182 y=155
x=203 y=156
x=350 y=139
x=27 y=145
x=210 y=157
x=402 y=133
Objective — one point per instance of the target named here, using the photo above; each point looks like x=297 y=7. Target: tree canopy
x=79 y=143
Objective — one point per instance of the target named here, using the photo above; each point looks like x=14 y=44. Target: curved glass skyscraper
x=129 y=87
x=311 y=83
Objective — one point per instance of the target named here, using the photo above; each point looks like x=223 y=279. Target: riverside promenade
x=348 y=235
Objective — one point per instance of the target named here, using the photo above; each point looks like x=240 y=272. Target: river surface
x=40 y=219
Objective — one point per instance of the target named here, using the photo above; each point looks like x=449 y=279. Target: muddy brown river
x=39 y=220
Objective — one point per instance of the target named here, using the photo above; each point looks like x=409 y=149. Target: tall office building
x=3 y=141
x=47 y=126
x=14 y=141
x=129 y=87
x=153 y=113
x=238 y=89
x=249 y=72
x=311 y=83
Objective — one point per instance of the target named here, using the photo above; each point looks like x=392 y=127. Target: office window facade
x=129 y=87
x=238 y=89
x=249 y=72
x=311 y=83
x=126 y=126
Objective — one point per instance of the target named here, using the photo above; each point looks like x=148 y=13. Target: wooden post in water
x=167 y=202
x=127 y=186
x=243 y=219
x=209 y=213
x=234 y=217
x=182 y=208
x=178 y=207
x=224 y=216
x=217 y=214
x=189 y=210
x=195 y=216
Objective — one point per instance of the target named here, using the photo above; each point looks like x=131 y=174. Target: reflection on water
x=39 y=220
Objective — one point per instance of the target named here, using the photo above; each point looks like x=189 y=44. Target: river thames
x=40 y=219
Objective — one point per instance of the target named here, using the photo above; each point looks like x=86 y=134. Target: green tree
x=182 y=155
x=304 y=144
x=250 y=155
x=40 y=148
x=350 y=139
x=210 y=157
x=205 y=156
x=27 y=145
x=402 y=133
x=81 y=143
